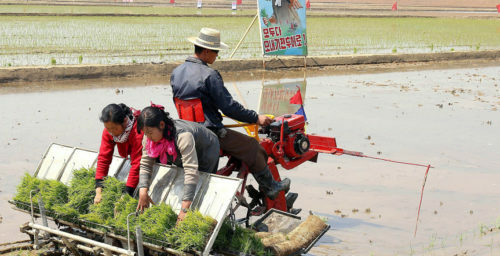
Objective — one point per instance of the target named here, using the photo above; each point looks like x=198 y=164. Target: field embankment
x=52 y=73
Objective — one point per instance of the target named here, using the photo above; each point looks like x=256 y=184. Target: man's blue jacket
x=194 y=79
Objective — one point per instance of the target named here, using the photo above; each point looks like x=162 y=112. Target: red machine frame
x=277 y=150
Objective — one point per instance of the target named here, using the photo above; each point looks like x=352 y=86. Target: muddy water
x=444 y=117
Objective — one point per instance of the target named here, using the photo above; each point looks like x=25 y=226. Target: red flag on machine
x=239 y=2
x=498 y=8
x=297 y=98
x=395 y=6
x=308 y=4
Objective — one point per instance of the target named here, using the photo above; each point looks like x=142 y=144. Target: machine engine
x=290 y=130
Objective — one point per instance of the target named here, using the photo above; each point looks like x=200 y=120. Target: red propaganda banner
x=498 y=8
x=395 y=6
x=308 y=4
x=239 y=2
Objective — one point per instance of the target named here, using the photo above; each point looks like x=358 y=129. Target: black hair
x=198 y=49
x=115 y=113
x=152 y=116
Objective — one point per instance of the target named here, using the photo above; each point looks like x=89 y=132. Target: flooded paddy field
x=55 y=40
x=444 y=117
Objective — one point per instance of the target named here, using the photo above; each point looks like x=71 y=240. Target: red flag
x=395 y=6
x=239 y=2
x=172 y=1
x=498 y=8
x=297 y=98
x=308 y=4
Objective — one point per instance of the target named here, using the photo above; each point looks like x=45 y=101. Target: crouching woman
x=119 y=129
x=185 y=144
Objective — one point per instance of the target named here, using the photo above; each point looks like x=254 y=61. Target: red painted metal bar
x=340 y=151
x=322 y=144
x=294 y=163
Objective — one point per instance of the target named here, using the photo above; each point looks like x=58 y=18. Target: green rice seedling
x=53 y=61
x=244 y=240
x=103 y=212
x=224 y=237
x=82 y=189
x=394 y=50
x=65 y=212
x=432 y=47
x=9 y=64
x=192 y=233
x=28 y=183
x=52 y=192
x=80 y=59
x=478 y=45
x=157 y=220
x=452 y=49
x=239 y=240
x=81 y=193
x=355 y=50
x=123 y=208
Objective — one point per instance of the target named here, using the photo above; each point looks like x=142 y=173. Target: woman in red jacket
x=120 y=129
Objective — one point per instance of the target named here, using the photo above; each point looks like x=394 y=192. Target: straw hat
x=208 y=38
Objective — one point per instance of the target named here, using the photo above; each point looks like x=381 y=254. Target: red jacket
x=132 y=148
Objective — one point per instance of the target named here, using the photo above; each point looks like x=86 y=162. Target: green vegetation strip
x=74 y=203
x=52 y=40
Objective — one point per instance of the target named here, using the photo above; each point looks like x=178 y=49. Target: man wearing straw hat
x=194 y=79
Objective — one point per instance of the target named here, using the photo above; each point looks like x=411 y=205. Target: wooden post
x=244 y=35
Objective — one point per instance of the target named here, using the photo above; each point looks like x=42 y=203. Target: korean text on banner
x=283 y=27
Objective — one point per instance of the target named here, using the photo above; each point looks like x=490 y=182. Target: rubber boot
x=268 y=185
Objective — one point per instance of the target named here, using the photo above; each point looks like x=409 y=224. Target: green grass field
x=48 y=40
